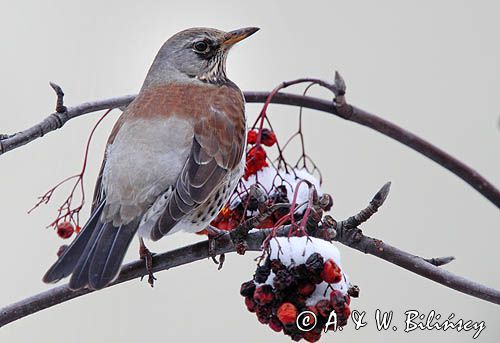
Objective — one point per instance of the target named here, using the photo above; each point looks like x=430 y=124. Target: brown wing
x=217 y=149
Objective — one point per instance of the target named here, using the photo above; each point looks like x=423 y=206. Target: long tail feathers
x=109 y=253
x=95 y=256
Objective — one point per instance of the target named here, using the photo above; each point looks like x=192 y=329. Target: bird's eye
x=201 y=46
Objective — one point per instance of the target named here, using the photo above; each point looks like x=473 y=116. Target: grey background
x=429 y=66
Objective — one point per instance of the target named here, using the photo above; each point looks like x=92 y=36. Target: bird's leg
x=213 y=234
x=147 y=256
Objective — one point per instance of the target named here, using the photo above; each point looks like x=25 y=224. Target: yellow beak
x=235 y=36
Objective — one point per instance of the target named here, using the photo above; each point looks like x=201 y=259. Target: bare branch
x=371 y=209
x=346 y=232
x=57 y=120
x=341 y=108
x=342 y=231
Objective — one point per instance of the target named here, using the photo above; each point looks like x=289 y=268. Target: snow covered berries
x=299 y=274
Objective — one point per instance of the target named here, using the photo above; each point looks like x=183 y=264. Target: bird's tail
x=95 y=256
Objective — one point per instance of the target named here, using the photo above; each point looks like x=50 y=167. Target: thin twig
x=345 y=111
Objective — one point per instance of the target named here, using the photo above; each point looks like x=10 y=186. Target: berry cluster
x=229 y=218
x=281 y=289
x=256 y=155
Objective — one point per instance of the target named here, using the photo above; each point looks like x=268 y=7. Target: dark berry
x=300 y=272
x=263 y=295
x=297 y=336
x=262 y=273
x=314 y=264
x=275 y=324
x=250 y=304
x=280 y=196
x=277 y=265
x=353 y=291
x=264 y=314
x=283 y=279
x=247 y=288
x=337 y=299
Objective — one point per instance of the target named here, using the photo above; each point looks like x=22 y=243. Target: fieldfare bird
x=172 y=160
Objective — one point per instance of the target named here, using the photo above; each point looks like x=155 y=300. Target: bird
x=172 y=160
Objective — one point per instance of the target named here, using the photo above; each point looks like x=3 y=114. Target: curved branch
x=342 y=232
x=57 y=120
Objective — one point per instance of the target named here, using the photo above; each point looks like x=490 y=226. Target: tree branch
x=348 y=112
x=346 y=232
x=342 y=232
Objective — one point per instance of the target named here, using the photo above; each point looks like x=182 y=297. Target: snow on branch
x=342 y=231
x=313 y=223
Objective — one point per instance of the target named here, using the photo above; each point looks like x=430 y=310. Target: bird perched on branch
x=172 y=160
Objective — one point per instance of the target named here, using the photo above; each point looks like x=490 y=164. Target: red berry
x=287 y=313
x=268 y=137
x=306 y=288
x=275 y=324
x=65 y=230
x=252 y=137
x=312 y=336
x=251 y=305
x=331 y=272
x=324 y=308
x=78 y=229
x=263 y=295
x=255 y=161
x=343 y=315
x=338 y=299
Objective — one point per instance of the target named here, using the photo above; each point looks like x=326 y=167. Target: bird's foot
x=213 y=234
x=147 y=257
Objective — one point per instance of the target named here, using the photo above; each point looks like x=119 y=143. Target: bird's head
x=198 y=53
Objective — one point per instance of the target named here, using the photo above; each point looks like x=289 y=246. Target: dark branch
x=342 y=231
x=342 y=109
x=346 y=232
